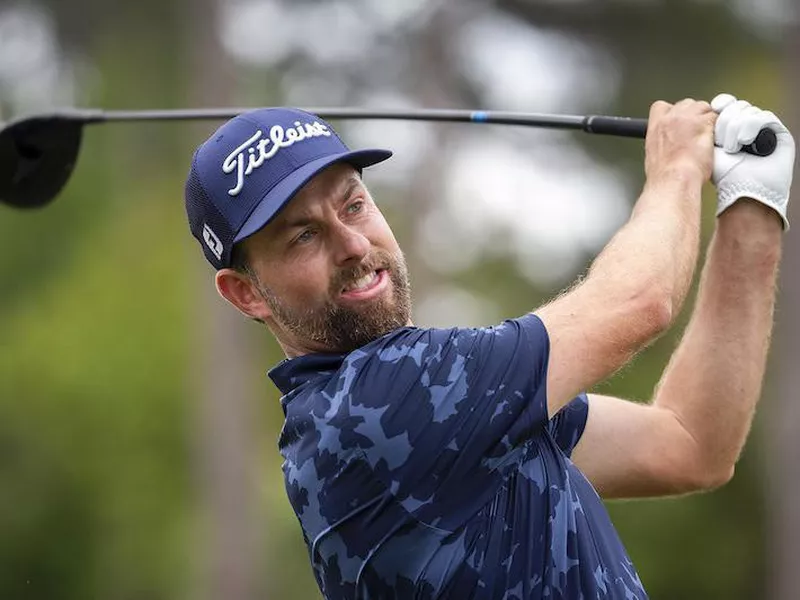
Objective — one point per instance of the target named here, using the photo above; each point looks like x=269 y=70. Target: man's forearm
x=656 y=251
x=635 y=286
x=715 y=377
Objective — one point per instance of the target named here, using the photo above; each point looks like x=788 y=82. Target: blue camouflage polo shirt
x=423 y=465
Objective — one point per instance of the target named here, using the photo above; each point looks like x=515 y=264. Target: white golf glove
x=740 y=175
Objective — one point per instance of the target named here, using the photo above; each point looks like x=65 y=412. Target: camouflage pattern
x=423 y=465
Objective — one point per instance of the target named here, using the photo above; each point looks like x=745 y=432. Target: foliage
x=99 y=495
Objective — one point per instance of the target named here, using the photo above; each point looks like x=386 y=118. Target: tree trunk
x=221 y=371
x=783 y=420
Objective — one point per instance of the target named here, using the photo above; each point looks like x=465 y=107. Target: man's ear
x=241 y=291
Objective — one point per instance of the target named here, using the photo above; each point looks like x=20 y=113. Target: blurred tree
x=93 y=476
x=223 y=362
x=783 y=410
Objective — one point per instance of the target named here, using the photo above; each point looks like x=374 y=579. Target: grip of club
x=765 y=143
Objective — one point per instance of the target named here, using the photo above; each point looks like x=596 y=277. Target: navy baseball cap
x=250 y=168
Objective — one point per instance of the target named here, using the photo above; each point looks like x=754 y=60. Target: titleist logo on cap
x=258 y=153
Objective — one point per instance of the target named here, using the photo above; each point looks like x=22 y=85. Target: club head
x=37 y=155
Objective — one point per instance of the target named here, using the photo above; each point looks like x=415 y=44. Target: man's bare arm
x=640 y=280
x=690 y=436
x=715 y=377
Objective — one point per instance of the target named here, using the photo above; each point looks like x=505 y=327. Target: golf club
x=38 y=153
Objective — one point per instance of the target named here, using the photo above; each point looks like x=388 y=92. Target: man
x=463 y=462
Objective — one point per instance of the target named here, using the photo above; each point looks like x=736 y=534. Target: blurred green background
x=138 y=429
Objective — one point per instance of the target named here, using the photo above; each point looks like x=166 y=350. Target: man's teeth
x=364 y=282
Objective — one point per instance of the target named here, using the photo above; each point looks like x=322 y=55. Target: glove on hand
x=737 y=174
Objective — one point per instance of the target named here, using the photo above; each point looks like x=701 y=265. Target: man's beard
x=344 y=328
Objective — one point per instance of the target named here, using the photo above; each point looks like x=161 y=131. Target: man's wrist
x=684 y=178
x=751 y=225
x=752 y=213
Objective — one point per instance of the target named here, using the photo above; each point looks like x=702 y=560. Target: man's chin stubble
x=339 y=328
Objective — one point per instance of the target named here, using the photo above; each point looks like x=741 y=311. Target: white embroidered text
x=212 y=241
x=258 y=153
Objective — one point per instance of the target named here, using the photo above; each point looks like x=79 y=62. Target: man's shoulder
x=414 y=341
x=433 y=355
x=414 y=356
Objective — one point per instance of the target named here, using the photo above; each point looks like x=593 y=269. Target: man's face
x=329 y=269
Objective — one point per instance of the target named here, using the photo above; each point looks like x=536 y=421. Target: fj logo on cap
x=258 y=153
x=212 y=241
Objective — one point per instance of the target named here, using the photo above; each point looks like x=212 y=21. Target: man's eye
x=305 y=236
x=355 y=207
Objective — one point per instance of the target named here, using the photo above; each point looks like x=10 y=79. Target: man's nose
x=349 y=244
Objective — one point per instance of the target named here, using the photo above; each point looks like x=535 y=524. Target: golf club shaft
x=763 y=145
x=620 y=126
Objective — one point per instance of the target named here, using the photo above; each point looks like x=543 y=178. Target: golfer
x=470 y=462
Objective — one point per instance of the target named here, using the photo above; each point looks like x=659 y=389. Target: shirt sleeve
x=437 y=407
x=567 y=424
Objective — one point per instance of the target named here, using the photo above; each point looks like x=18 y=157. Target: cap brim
x=271 y=204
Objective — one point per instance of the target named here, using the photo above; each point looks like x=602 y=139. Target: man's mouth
x=365 y=283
